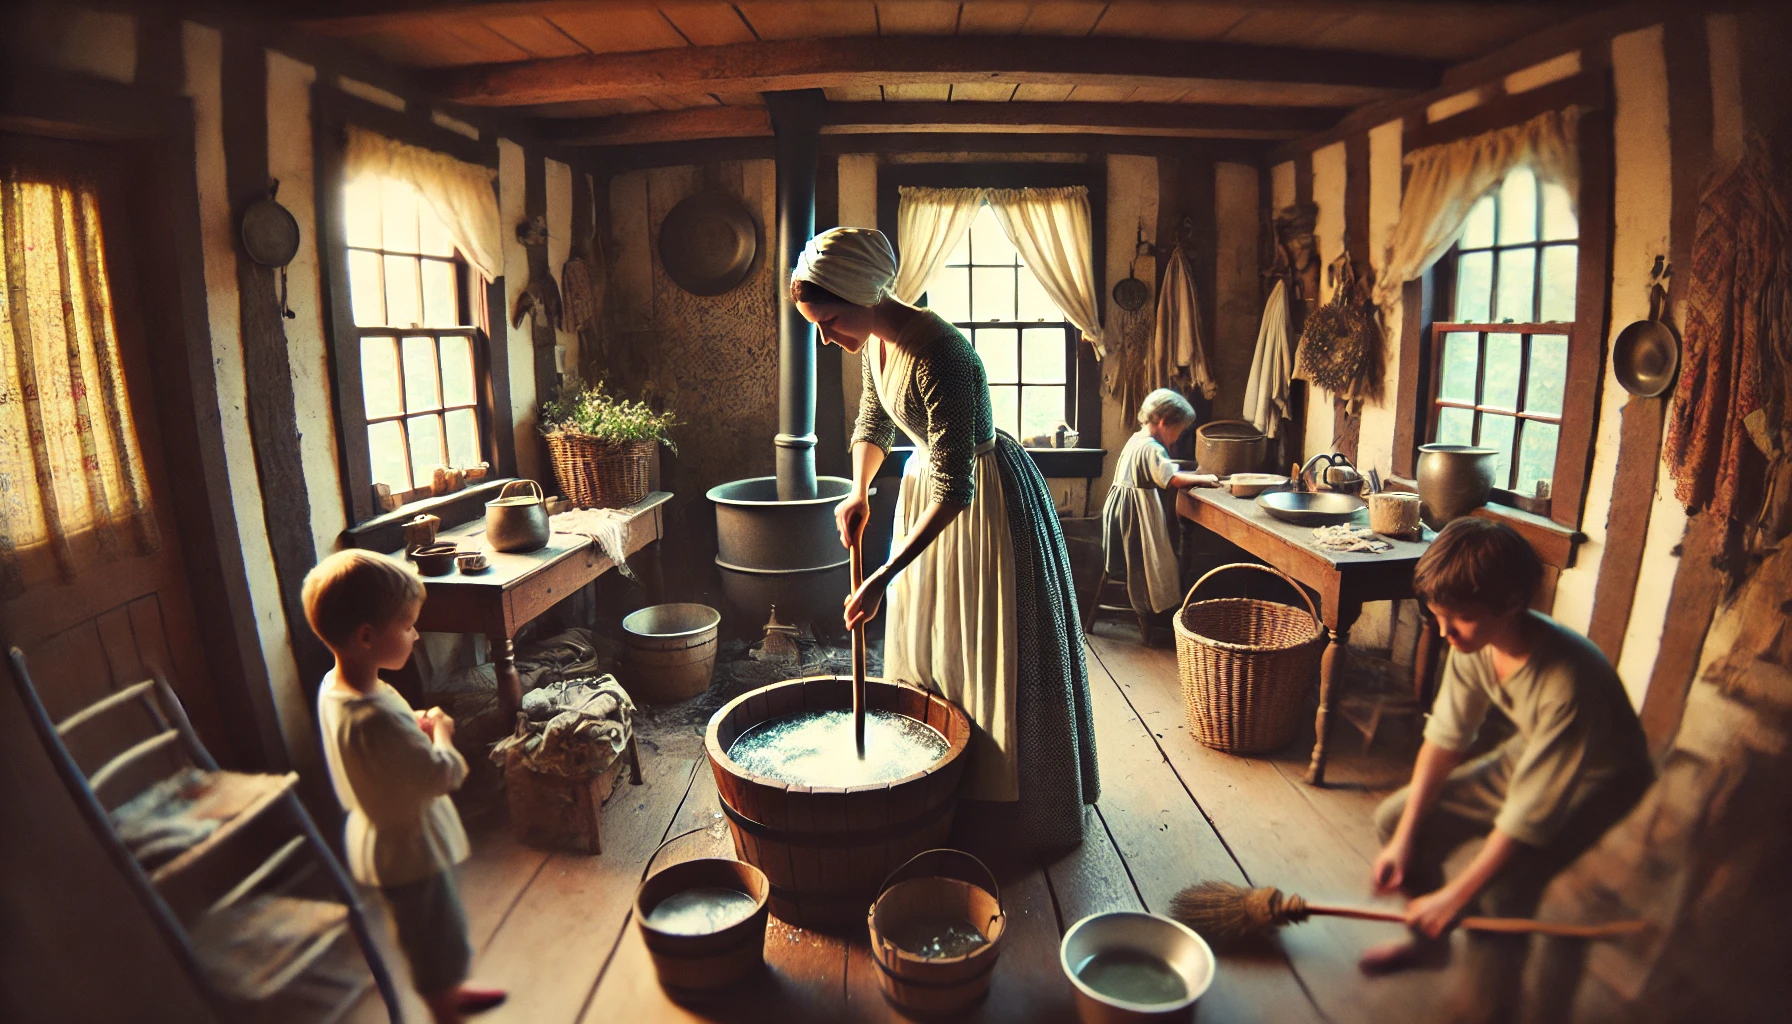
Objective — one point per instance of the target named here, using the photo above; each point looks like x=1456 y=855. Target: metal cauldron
x=517 y=521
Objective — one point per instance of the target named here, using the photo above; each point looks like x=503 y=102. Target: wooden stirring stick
x=858 y=651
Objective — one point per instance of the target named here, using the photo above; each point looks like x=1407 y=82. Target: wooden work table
x=1339 y=580
x=520 y=586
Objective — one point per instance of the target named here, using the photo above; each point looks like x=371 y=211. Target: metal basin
x=1311 y=508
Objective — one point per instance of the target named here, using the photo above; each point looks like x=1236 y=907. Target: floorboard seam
x=1161 y=752
x=629 y=916
x=514 y=900
x=1293 y=969
x=1300 y=786
x=1115 y=843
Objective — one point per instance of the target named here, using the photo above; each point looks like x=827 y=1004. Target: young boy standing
x=1574 y=767
x=393 y=768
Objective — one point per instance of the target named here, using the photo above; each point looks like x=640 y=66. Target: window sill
x=385 y=532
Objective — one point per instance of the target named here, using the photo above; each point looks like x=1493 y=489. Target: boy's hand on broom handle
x=1435 y=913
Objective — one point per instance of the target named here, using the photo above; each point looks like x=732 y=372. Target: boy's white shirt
x=394 y=781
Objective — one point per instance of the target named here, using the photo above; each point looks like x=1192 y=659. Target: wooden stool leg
x=1145 y=630
x=634 y=761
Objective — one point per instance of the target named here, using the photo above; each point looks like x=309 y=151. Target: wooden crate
x=559 y=813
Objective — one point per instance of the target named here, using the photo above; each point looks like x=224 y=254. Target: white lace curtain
x=460 y=193
x=1448 y=178
x=1051 y=227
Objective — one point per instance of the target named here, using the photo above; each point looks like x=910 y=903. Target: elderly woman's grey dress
x=986 y=615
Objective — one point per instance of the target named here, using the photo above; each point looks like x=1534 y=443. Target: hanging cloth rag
x=1177 y=356
x=1741 y=235
x=1266 y=391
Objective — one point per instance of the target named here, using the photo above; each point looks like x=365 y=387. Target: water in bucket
x=816 y=748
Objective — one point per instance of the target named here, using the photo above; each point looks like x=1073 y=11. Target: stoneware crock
x=1454 y=479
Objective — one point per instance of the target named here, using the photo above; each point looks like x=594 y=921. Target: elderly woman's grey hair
x=1165 y=406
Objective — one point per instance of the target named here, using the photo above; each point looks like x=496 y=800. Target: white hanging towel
x=1266 y=393
x=1176 y=350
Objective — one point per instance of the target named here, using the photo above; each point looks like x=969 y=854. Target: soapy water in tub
x=815 y=748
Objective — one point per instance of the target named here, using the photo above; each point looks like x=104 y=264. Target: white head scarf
x=856 y=264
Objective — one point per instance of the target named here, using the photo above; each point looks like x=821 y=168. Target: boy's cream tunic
x=1576 y=728
x=394 y=781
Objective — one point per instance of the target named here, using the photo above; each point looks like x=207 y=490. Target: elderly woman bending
x=981 y=608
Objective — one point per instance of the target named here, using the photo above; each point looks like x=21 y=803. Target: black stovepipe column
x=796 y=124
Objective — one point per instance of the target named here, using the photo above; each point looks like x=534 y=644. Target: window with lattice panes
x=1500 y=355
x=421 y=366
x=1027 y=344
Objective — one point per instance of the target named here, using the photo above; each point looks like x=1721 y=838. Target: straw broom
x=1228 y=914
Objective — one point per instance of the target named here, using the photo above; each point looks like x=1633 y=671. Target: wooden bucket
x=926 y=886
x=691 y=965
x=824 y=849
x=671 y=651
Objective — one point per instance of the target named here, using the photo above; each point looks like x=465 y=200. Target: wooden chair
x=261 y=943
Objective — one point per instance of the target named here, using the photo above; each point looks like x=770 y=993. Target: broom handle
x=1506 y=925
x=858 y=652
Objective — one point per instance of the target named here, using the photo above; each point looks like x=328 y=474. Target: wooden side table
x=518 y=587
x=1341 y=581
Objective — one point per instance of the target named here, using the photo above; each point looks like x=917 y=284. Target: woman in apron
x=981 y=608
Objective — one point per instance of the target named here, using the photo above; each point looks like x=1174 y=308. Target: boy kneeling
x=393 y=768
x=1575 y=766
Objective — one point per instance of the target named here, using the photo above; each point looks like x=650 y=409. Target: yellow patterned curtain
x=72 y=487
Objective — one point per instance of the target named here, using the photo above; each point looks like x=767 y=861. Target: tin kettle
x=517 y=519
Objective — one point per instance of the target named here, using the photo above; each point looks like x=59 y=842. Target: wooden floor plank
x=1165 y=843
x=551 y=948
x=1092 y=879
x=1278 y=838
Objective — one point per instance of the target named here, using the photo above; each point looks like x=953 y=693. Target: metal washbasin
x=1311 y=508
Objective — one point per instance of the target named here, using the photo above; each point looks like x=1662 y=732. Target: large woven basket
x=600 y=474
x=1246 y=665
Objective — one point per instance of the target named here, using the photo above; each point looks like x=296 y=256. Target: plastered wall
x=1642 y=214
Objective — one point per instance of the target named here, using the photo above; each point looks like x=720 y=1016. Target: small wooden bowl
x=434 y=559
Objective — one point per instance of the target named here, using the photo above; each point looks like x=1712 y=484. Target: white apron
x=950 y=623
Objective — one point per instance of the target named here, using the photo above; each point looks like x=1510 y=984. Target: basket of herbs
x=602 y=446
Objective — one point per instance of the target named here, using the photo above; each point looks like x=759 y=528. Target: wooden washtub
x=826 y=850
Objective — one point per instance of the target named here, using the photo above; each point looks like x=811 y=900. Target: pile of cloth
x=572 y=728
x=1345 y=537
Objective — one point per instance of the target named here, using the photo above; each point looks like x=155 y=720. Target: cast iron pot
x=517 y=522
x=1454 y=479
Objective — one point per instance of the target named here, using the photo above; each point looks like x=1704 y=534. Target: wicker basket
x=1246 y=666
x=600 y=474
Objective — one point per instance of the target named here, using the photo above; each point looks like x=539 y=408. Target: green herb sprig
x=591 y=409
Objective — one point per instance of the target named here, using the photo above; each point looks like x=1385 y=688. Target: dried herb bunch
x=592 y=410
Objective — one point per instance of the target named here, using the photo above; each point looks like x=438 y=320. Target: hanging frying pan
x=1647 y=355
x=271 y=238
x=1130 y=293
x=270 y=234
x=707 y=242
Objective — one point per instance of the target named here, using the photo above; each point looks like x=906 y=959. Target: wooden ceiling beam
x=1272 y=74
x=915 y=146
x=1174 y=120
x=353 y=17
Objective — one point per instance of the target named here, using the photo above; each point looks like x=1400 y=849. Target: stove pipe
x=796 y=126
